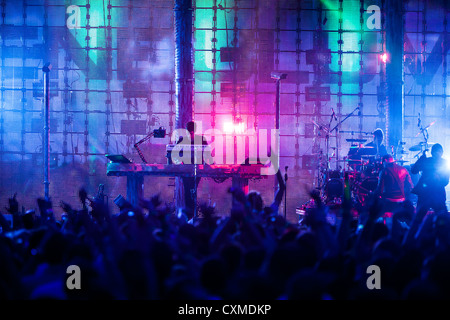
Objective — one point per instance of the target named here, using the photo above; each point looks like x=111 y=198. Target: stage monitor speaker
x=319 y=57
x=229 y=54
x=228 y=89
x=315 y=93
x=135 y=90
x=131 y=127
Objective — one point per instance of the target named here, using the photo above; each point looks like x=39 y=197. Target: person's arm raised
x=316 y=218
x=13 y=209
x=280 y=192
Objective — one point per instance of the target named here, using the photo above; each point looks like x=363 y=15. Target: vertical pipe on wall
x=184 y=75
x=394 y=72
x=46 y=143
x=2 y=92
x=183 y=63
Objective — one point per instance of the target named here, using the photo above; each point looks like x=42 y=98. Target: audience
x=155 y=252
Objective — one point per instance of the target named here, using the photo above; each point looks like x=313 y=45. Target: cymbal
x=356 y=132
x=356 y=140
x=401 y=161
x=351 y=160
x=418 y=147
x=361 y=147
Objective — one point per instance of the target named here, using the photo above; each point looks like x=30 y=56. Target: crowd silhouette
x=155 y=252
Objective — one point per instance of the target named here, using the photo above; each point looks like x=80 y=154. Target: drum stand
x=425 y=134
x=328 y=132
x=338 y=125
x=322 y=183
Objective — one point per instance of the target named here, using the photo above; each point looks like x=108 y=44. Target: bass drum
x=334 y=189
x=335 y=174
x=366 y=186
x=373 y=169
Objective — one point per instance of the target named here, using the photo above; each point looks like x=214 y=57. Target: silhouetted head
x=387 y=159
x=437 y=151
x=255 y=200
x=378 y=135
x=29 y=218
x=191 y=127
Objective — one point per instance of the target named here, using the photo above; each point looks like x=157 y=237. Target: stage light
x=237 y=127
x=447 y=162
x=384 y=57
x=228 y=127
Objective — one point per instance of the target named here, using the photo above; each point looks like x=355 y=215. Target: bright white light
x=446 y=158
x=239 y=127
x=384 y=57
x=228 y=127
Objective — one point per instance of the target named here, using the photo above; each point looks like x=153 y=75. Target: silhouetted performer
x=394 y=188
x=430 y=188
x=374 y=148
x=379 y=149
x=190 y=184
x=394 y=183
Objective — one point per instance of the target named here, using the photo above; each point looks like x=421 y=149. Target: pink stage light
x=237 y=127
x=228 y=127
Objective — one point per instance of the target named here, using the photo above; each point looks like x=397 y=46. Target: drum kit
x=362 y=172
x=362 y=167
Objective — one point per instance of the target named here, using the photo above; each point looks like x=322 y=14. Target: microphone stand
x=327 y=153
x=425 y=135
x=340 y=122
x=327 y=142
x=285 y=190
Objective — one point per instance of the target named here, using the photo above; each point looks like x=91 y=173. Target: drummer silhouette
x=372 y=151
x=376 y=147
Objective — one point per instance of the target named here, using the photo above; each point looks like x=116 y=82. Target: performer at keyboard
x=190 y=184
x=430 y=188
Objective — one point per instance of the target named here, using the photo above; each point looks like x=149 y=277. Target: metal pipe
x=46 y=143
x=184 y=73
x=184 y=76
x=394 y=73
